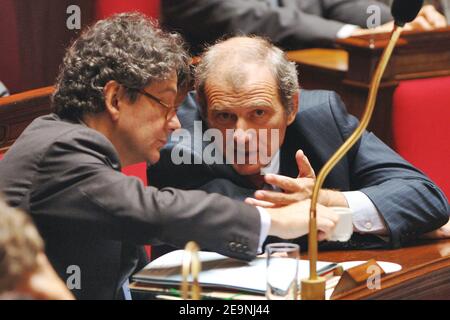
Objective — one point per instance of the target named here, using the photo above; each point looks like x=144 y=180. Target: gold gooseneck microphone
x=313 y=288
x=191 y=265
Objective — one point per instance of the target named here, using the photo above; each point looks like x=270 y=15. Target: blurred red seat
x=137 y=170
x=421 y=127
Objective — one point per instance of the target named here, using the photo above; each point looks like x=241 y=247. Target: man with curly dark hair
x=115 y=104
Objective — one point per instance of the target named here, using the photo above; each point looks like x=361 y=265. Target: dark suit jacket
x=291 y=24
x=407 y=200
x=91 y=215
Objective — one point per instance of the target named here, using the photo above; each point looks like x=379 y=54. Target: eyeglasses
x=170 y=110
x=148 y=95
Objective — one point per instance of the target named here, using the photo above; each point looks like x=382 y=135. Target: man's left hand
x=441 y=233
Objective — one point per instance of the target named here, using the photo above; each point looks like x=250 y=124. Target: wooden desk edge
x=402 y=277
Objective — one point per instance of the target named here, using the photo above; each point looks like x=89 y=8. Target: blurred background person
x=25 y=272
x=30 y=60
x=289 y=24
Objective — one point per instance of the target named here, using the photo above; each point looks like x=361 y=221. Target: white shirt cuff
x=366 y=218
x=265 y=227
x=346 y=31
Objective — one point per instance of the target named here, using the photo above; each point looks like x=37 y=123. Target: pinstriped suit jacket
x=407 y=200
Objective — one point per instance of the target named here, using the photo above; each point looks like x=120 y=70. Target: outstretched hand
x=294 y=189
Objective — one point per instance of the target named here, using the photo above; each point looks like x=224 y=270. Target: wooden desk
x=425 y=271
x=425 y=274
x=349 y=69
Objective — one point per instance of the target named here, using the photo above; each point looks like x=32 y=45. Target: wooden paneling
x=38 y=42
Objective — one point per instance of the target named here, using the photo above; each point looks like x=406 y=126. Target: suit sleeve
x=109 y=203
x=355 y=11
x=206 y=21
x=409 y=202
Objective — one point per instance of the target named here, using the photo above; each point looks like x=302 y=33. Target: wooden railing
x=19 y=110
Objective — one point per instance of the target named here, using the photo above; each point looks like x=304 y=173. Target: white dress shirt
x=346 y=31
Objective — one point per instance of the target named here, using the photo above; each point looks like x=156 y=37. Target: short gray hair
x=260 y=51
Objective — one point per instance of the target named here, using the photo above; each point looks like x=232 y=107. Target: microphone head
x=405 y=11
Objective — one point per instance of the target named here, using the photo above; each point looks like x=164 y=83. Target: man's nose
x=241 y=132
x=241 y=124
x=174 y=123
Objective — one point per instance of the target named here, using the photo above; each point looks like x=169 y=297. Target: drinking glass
x=282 y=271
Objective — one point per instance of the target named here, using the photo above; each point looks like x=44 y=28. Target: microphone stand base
x=313 y=289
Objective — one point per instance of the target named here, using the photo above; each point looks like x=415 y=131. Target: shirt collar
x=274 y=165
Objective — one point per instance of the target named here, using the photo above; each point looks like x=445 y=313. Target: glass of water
x=282 y=271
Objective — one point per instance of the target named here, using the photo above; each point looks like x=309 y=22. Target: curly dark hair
x=129 y=48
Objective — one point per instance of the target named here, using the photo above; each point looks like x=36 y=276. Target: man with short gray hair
x=247 y=90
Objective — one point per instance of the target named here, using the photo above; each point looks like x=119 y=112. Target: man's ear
x=293 y=113
x=111 y=93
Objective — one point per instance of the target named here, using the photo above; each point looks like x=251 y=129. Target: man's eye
x=259 y=113
x=224 y=116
